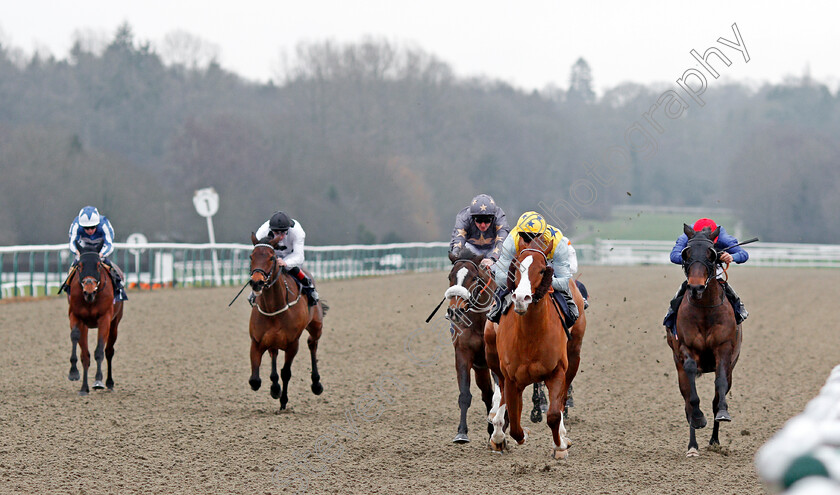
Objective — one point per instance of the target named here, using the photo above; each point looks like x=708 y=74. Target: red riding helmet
x=703 y=223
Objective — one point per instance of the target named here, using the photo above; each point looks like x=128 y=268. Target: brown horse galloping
x=530 y=345
x=278 y=318
x=470 y=295
x=706 y=337
x=92 y=306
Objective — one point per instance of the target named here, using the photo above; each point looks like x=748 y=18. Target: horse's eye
x=542 y=271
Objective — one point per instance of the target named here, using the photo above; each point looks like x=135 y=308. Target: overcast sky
x=530 y=44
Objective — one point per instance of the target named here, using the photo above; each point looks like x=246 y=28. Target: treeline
x=377 y=142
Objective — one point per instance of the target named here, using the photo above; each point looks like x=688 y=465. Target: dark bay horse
x=530 y=345
x=278 y=318
x=706 y=337
x=470 y=295
x=91 y=298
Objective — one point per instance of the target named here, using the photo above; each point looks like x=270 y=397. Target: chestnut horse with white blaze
x=278 y=317
x=531 y=345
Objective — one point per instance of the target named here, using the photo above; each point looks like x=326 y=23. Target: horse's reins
x=272 y=276
x=434 y=311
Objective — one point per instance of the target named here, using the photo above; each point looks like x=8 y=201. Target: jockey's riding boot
x=574 y=313
x=252 y=298
x=585 y=304
x=495 y=314
x=671 y=317
x=65 y=286
x=308 y=289
x=741 y=313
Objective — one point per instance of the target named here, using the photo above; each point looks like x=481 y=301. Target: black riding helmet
x=280 y=222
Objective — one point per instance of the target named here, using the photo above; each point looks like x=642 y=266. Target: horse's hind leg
x=286 y=372
x=256 y=359
x=463 y=364
x=314 y=329
x=557 y=390
x=275 y=378
x=485 y=384
x=536 y=412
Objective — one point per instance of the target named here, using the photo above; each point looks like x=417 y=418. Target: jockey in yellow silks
x=537 y=234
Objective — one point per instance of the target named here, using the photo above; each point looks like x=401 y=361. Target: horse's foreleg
x=256 y=359
x=722 y=385
x=109 y=354
x=103 y=325
x=286 y=372
x=84 y=353
x=463 y=364
x=496 y=416
x=275 y=378
x=485 y=384
x=695 y=416
x=513 y=399
x=557 y=390
x=314 y=329
x=75 y=335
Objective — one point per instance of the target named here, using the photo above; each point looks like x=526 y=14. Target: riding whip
x=436 y=309
x=240 y=292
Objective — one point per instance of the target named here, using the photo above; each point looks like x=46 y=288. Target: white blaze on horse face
x=522 y=294
x=458 y=290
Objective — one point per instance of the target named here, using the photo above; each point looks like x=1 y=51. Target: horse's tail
x=582 y=289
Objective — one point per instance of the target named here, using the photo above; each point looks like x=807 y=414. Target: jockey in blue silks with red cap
x=727 y=254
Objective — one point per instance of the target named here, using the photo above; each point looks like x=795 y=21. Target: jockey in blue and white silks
x=729 y=252
x=90 y=225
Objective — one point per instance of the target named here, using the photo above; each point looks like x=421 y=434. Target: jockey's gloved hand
x=487 y=263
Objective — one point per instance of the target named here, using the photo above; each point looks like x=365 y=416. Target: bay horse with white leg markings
x=278 y=317
x=92 y=305
x=531 y=345
x=470 y=295
x=706 y=337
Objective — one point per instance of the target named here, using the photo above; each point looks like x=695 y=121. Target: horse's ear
x=477 y=258
x=520 y=245
x=549 y=248
x=254 y=239
x=689 y=232
x=274 y=241
x=453 y=257
x=715 y=233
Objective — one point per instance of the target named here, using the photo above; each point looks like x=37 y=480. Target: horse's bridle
x=468 y=306
x=536 y=300
x=82 y=279
x=270 y=277
x=711 y=266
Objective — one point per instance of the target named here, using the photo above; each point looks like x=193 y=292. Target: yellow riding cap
x=532 y=222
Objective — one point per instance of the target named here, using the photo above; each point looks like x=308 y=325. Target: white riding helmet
x=89 y=217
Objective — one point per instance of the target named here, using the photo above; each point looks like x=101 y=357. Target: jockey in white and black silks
x=290 y=249
x=480 y=228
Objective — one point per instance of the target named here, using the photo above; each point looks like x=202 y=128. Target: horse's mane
x=511 y=275
x=545 y=283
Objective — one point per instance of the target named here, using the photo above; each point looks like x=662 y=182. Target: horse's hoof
x=98 y=385
x=317 y=388
x=525 y=432
x=498 y=447
x=83 y=392
x=536 y=415
x=275 y=391
x=723 y=415
x=461 y=438
x=282 y=407
x=110 y=384
x=692 y=452
x=255 y=383
x=73 y=376
x=698 y=423
x=560 y=454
